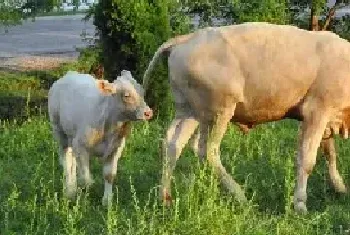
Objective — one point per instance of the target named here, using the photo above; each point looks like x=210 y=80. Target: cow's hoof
x=340 y=187
x=241 y=198
x=239 y=194
x=71 y=194
x=237 y=191
x=88 y=183
x=300 y=208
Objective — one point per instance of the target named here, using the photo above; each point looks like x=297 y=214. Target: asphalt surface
x=53 y=35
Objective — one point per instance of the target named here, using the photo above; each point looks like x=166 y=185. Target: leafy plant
x=10 y=13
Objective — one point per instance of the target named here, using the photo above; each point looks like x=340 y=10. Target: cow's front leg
x=311 y=134
x=110 y=171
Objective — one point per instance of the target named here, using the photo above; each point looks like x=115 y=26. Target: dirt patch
x=35 y=62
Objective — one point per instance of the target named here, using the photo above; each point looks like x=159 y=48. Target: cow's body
x=256 y=73
x=91 y=117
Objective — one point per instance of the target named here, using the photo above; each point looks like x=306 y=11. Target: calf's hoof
x=86 y=183
x=107 y=201
x=300 y=207
x=70 y=194
x=165 y=197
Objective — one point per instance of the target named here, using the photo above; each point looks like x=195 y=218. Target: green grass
x=31 y=199
x=14 y=81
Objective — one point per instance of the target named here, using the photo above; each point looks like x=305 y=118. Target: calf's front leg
x=69 y=167
x=109 y=172
x=83 y=165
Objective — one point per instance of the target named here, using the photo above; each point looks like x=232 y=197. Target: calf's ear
x=105 y=87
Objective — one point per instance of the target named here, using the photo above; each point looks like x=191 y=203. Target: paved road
x=47 y=35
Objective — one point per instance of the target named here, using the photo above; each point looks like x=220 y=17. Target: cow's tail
x=164 y=48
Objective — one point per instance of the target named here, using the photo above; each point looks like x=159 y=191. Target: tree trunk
x=314 y=25
x=330 y=15
x=314 y=17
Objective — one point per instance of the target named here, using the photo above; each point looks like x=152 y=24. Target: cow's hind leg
x=312 y=130
x=211 y=134
x=177 y=136
x=328 y=147
x=194 y=141
x=109 y=172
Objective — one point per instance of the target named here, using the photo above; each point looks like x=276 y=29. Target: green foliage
x=43 y=5
x=342 y=27
x=76 y=3
x=273 y=11
x=12 y=81
x=10 y=13
x=318 y=6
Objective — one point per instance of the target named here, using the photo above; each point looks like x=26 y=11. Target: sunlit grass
x=32 y=202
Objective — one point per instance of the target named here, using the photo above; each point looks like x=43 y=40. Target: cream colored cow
x=255 y=73
x=93 y=117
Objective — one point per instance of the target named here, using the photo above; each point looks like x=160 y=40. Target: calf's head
x=128 y=95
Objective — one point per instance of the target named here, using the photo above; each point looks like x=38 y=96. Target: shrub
x=21 y=105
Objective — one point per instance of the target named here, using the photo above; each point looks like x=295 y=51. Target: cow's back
x=267 y=69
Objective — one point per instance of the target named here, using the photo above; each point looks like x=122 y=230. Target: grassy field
x=31 y=194
x=31 y=199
